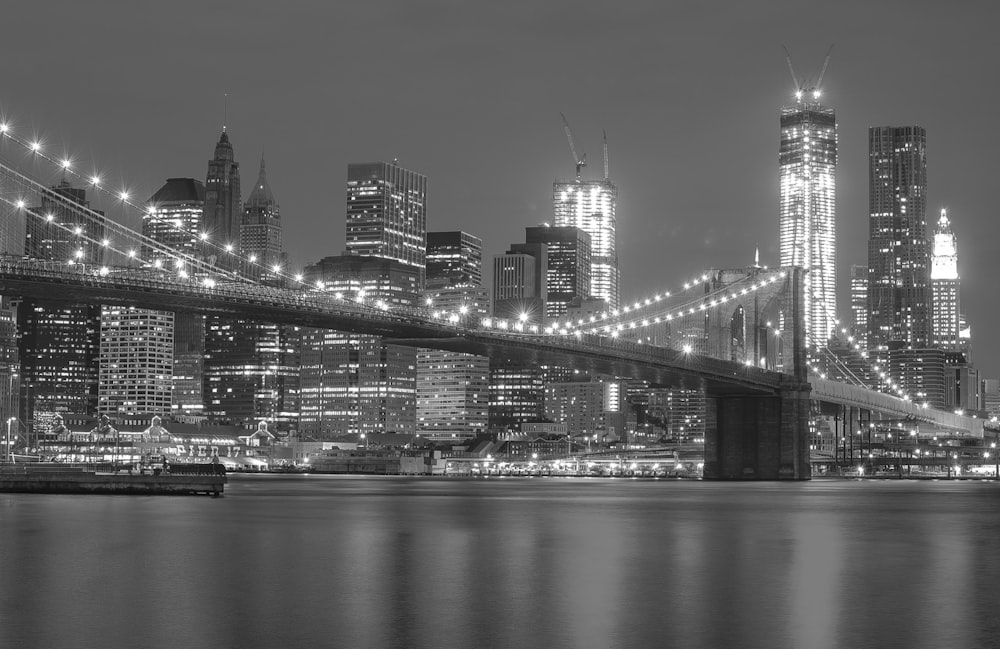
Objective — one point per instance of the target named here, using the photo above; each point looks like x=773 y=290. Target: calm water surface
x=345 y=561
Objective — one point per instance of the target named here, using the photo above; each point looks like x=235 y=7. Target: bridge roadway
x=858 y=397
x=46 y=280
x=416 y=327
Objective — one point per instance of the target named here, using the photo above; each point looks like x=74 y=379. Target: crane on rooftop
x=580 y=162
x=807 y=86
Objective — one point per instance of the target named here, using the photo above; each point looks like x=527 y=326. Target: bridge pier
x=758 y=437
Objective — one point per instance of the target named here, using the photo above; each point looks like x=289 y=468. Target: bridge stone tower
x=753 y=436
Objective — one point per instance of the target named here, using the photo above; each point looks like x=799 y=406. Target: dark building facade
x=567 y=272
x=899 y=259
x=454 y=259
x=222 y=213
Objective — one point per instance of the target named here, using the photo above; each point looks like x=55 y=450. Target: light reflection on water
x=396 y=562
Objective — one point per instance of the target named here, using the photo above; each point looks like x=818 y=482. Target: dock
x=40 y=478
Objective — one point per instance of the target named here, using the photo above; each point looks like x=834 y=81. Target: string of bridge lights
x=35 y=148
x=702 y=303
x=882 y=373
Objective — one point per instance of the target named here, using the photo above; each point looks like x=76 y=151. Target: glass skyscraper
x=387 y=213
x=899 y=294
x=807 y=162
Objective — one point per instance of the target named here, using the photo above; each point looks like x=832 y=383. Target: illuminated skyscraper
x=590 y=205
x=136 y=361
x=807 y=162
x=567 y=272
x=260 y=230
x=945 y=285
x=387 y=213
x=173 y=217
x=454 y=259
x=222 y=200
x=899 y=292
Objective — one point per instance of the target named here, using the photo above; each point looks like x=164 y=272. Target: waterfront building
x=260 y=232
x=136 y=362
x=453 y=388
x=251 y=372
x=567 y=270
x=807 y=164
x=222 y=214
x=59 y=346
x=946 y=319
x=680 y=412
x=188 y=380
x=899 y=291
x=173 y=219
x=517 y=394
x=582 y=406
x=590 y=205
x=356 y=383
x=454 y=259
x=387 y=213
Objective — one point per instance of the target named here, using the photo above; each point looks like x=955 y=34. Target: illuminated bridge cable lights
x=638 y=304
x=66 y=165
x=717 y=298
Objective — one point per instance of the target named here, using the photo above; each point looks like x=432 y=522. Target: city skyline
x=485 y=129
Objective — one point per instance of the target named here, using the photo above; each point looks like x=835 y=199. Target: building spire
x=225 y=110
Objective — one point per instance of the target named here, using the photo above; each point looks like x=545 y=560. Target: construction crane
x=606 y=170
x=806 y=86
x=577 y=160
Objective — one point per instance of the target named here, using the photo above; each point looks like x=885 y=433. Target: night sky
x=469 y=93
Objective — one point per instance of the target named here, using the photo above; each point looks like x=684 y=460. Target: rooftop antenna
x=580 y=162
x=225 y=110
x=606 y=174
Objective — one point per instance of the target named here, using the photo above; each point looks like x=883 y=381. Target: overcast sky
x=469 y=93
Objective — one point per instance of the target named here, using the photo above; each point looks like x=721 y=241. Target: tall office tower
x=454 y=259
x=173 y=218
x=899 y=292
x=945 y=286
x=807 y=163
x=567 y=272
x=136 y=362
x=59 y=347
x=590 y=205
x=859 y=305
x=251 y=372
x=59 y=229
x=517 y=394
x=222 y=214
x=453 y=388
x=387 y=213
x=519 y=287
x=356 y=383
x=260 y=231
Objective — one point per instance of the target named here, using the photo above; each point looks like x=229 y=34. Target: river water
x=349 y=561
